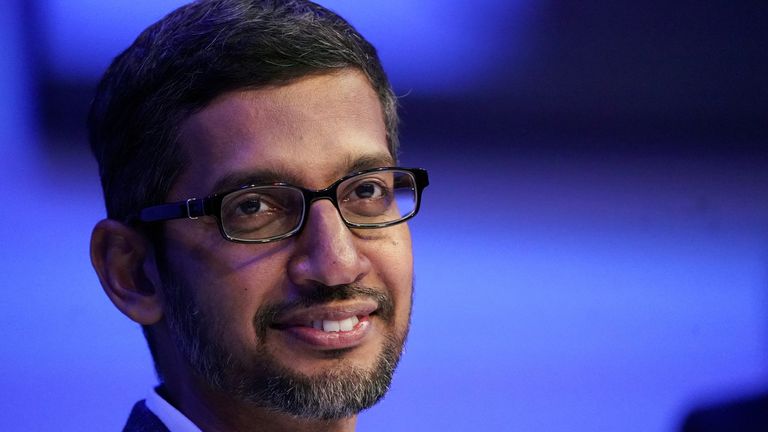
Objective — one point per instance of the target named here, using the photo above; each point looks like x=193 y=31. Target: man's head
x=180 y=64
x=222 y=95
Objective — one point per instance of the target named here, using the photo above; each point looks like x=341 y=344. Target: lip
x=297 y=325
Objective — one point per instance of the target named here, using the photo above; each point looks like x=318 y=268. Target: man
x=281 y=300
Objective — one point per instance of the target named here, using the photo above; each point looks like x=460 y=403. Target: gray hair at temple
x=196 y=53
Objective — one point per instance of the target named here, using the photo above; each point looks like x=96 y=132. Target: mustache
x=322 y=294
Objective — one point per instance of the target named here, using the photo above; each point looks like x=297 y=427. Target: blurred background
x=592 y=252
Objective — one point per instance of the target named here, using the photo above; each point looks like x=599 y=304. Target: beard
x=264 y=381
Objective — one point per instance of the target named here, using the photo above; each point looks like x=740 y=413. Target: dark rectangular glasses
x=374 y=198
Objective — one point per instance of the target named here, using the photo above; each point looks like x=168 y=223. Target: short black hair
x=200 y=51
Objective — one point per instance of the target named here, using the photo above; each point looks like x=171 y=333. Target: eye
x=251 y=206
x=367 y=190
x=370 y=196
x=261 y=212
x=254 y=205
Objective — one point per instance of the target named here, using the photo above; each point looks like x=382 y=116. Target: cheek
x=233 y=302
x=392 y=258
x=230 y=282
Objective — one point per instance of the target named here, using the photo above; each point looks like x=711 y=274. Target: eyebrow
x=276 y=175
x=368 y=161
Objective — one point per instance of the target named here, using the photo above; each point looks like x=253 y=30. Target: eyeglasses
x=374 y=198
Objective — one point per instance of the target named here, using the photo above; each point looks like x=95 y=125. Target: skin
x=312 y=132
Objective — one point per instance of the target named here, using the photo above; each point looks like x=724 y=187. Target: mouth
x=329 y=327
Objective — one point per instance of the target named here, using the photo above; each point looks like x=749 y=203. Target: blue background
x=592 y=253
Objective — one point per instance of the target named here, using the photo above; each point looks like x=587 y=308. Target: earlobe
x=121 y=257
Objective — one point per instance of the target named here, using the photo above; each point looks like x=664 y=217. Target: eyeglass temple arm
x=192 y=208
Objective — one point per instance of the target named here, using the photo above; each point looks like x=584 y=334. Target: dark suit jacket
x=143 y=420
x=749 y=414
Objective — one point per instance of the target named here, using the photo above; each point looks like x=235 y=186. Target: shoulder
x=143 y=420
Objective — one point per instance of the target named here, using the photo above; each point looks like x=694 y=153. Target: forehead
x=308 y=132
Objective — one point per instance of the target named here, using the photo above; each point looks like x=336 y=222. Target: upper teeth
x=336 y=326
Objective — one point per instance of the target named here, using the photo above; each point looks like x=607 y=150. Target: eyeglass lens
x=370 y=199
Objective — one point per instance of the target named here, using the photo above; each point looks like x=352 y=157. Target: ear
x=125 y=263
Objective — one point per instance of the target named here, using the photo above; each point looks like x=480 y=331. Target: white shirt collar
x=172 y=418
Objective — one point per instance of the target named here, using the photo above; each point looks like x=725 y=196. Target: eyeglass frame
x=194 y=208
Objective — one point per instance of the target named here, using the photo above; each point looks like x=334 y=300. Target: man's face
x=245 y=315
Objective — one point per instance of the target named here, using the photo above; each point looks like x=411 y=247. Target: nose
x=326 y=251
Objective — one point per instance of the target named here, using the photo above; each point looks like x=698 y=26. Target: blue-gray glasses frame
x=262 y=213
